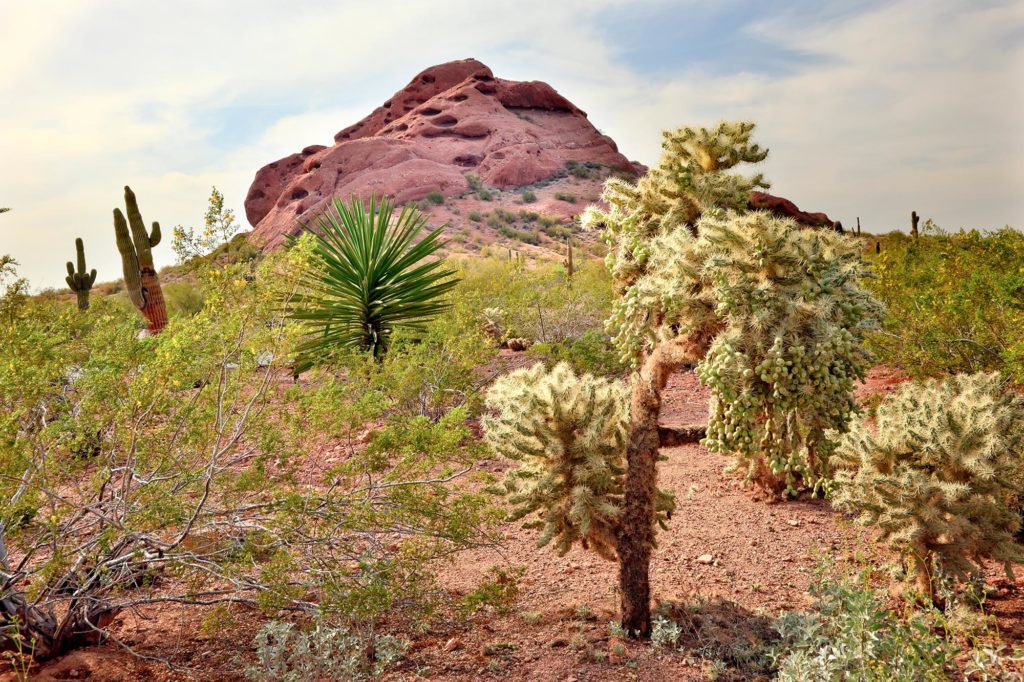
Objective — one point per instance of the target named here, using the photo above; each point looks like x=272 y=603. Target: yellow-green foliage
x=956 y=302
x=569 y=433
x=936 y=470
x=533 y=300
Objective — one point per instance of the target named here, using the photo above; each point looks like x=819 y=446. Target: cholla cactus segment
x=493 y=322
x=569 y=434
x=783 y=369
x=692 y=177
x=936 y=472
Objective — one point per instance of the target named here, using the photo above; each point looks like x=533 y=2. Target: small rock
x=706 y=559
x=793 y=522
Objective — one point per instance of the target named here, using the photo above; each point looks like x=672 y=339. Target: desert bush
x=484 y=194
x=475 y=216
x=566 y=197
x=474 y=182
x=125 y=460
x=535 y=299
x=591 y=353
x=435 y=198
x=498 y=590
x=369 y=277
x=936 y=472
x=219 y=227
x=851 y=635
x=956 y=302
x=288 y=654
x=184 y=299
x=528 y=197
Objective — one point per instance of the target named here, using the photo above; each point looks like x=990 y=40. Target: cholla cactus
x=493 y=322
x=936 y=473
x=518 y=343
x=569 y=433
x=690 y=179
x=782 y=370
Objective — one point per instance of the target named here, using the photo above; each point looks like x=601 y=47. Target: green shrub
x=474 y=182
x=583 y=169
x=475 y=216
x=498 y=590
x=484 y=194
x=955 y=301
x=535 y=300
x=528 y=197
x=937 y=472
x=435 y=197
x=184 y=299
x=287 y=654
x=592 y=353
x=566 y=197
x=851 y=635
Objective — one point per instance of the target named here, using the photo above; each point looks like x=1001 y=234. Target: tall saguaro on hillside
x=136 y=248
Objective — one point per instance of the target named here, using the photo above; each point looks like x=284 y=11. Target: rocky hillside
x=454 y=132
x=499 y=161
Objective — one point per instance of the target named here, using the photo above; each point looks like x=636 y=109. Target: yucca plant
x=370 y=276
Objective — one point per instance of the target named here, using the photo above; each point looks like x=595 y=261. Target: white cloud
x=913 y=104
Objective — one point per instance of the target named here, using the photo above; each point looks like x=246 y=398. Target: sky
x=870 y=109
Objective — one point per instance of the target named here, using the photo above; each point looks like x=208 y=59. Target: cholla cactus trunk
x=140 y=276
x=635 y=533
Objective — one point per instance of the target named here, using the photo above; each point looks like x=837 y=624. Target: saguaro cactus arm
x=140 y=276
x=80 y=281
x=129 y=260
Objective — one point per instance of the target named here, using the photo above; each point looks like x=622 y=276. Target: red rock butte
x=450 y=120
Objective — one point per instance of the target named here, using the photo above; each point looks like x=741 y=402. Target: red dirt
x=763 y=556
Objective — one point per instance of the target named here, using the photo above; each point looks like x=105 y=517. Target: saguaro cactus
x=80 y=281
x=914 y=220
x=568 y=263
x=140 y=278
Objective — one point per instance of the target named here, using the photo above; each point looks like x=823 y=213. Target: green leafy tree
x=936 y=471
x=369 y=277
x=219 y=227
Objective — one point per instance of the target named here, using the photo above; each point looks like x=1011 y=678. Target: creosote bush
x=936 y=472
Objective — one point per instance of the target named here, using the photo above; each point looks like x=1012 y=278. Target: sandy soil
x=762 y=557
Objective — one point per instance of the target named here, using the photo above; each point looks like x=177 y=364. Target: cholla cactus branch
x=936 y=473
x=569 y=434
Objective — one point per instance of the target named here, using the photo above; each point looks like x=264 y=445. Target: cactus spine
x=140 y=277
x=80 y=281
